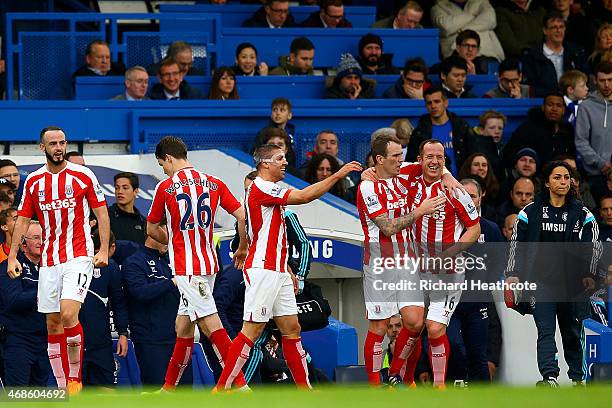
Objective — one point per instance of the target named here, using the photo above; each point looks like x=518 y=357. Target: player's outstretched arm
x=241 y=252
x=390 y=226
x=156 y=232
x=100 y=259
x=316 y=190
x=14 y=267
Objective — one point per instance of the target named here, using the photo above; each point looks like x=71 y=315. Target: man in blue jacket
x=105 y=293
x=153 y=301
x=26 y=362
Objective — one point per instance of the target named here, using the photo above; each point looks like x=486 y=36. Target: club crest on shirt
x=97 y=273
x=564 y=216
x=69 y=191
x=41 y=195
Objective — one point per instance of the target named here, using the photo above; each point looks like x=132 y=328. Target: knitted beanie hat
x=370 y=38
x=348 y=65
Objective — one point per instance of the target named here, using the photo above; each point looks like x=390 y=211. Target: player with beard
x=371 y=57
x=62 y=194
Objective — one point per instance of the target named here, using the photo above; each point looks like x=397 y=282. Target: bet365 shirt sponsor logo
x=58 y=204
x=400 y=203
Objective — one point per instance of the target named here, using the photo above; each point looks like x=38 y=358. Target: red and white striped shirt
x=62 y=203
x=266 y=228
x=434 y=233
x=388 y=196
x=189 y=200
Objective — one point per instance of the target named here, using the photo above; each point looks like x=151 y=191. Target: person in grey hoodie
x=594 y=131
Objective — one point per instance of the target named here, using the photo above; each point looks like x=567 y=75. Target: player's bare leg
x=373 y=350
x=238 y=353
x=408 y=344
x=73 y=335
x=439 y=351
x=294 y=353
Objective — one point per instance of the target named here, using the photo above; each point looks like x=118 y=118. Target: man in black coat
x=454 y=133
x=371 y=57
x=546 y=61
x=275 y=14
x=544 y=131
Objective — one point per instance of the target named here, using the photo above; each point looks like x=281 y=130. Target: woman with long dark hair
x=320 y=167
x=477 y=164
x=223 y=84
x=555 y=245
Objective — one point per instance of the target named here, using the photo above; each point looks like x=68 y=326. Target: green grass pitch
x=345 y=397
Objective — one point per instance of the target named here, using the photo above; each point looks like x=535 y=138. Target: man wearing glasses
x=172 y=86
x=509 y=82
x=411 y=83
x=136 y=85
x=330 y=15
x=275 y=14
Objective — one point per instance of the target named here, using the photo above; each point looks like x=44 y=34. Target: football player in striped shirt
x=270 y=284
x=189 y=200
x=62 y=195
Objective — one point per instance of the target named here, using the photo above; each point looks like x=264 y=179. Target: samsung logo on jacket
x=553 y=227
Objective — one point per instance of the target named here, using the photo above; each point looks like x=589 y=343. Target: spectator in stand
x=325 y=142
x=136 y=85
x=371 y=57
x=99 y=367
x=509 y=82
x=519 y=25
x=491 y=125
x=274 y=14
x=603 y=43
x=330 y=15
x=98 y=61
x=544 y=131
x=9 y=189
x=593 y=124
x=477 y=164
x=300 y=60
x=576 y=24
x=127 y=223
x=182 y=53
x=223 y=85
x=280 y=116
x=522 y=193
x=525 y=164
x=246 y=61
x=599 y=14
x=172 y=86
x=348 y=82
x=26 y=363
x=75 y=157
x=508 y=226
x=573 y=84
x=322 y=166
x=453 y=74
x=10 y=172
x=403 y=130
x=442 y=125
x=412 y=81
x=8 y=217
x=605 y=213
x=547 y=60
x=408 y=17
x=153 y=300
x=454 y=17
x=467 y=45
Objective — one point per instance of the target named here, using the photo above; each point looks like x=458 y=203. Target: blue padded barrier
x=329 y=44
x=46 y=59
x=129 y=372
x=202 y=373
x=292 y=87
x=332 y=346
x=233 y=15
x=231 y=124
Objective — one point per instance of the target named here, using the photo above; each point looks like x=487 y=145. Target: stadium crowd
x=560 y=51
